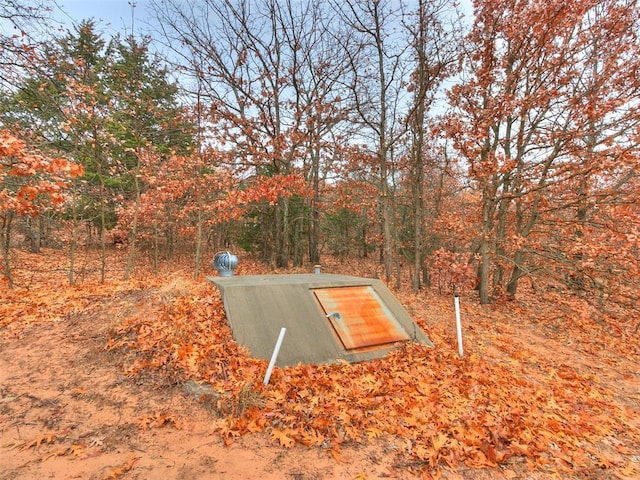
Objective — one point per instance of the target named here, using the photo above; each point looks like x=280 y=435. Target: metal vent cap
x=225 y=263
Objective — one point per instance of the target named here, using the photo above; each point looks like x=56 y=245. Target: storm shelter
x=327 y=317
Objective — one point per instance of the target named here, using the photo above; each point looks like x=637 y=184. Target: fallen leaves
x=45 y=438
x=520 y=395
x=284 y=437
x=75 y=450
x=311 y=438
x=121 y=470
x=50 y=438
x=451 y=410
x=159 y=419
x=629 y=472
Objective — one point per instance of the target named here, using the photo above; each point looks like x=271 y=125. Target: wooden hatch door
x=359 y=316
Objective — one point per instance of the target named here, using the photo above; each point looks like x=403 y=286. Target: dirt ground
x=67 y=411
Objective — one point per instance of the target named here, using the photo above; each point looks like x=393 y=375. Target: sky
x=111 y=16
x=114 y=16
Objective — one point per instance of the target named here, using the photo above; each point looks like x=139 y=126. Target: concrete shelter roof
x=258 y=306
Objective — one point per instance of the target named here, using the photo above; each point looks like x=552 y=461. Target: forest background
x=493 y=156
x=481 y=152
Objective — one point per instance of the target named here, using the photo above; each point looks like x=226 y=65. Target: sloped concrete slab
x=258 y=306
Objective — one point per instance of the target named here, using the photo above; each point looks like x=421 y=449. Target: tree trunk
x=198 y=254
x=516 y=274
x=500 y=238
x=156 y=246
x=268 y=224
x=103 y=252
x=417 y=186
x=72 y=249
x=387 y=224
x=485 y=252
x=133 y=235
x=298 y=244
x=485 y=264
x=363 y=241
x=34 y=234
x=5 y=244
x=314 y=225
x=282 y=239
x=103 y=231
x=171 y=241
x=418 y=244
x=417 y=148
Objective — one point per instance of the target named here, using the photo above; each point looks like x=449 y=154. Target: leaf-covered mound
x=517 y=396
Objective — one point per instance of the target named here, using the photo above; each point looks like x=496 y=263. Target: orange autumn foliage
x=438 y=408
x=526 y=393
x=30 y=181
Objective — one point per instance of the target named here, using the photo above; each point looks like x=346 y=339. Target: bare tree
x=269 y=72
x=378 y=73
x=545 y=122
x=434 y=45
x=19 y=41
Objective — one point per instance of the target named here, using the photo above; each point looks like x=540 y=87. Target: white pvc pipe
x=276 y=349
x=458 y=326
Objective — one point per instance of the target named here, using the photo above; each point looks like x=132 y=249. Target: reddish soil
x=68 y=411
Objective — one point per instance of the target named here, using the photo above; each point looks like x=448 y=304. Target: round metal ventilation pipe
x=225 y=263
